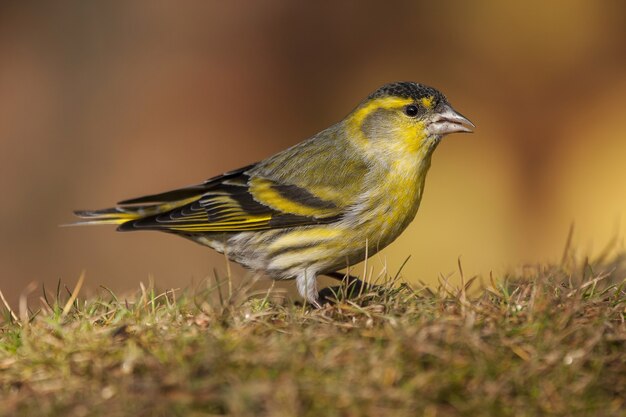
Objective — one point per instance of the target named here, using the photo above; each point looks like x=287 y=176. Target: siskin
x=319 y=206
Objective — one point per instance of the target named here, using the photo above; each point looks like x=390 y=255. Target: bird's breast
x=392 y=201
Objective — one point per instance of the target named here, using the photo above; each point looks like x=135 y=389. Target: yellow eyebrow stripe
x=357 y=118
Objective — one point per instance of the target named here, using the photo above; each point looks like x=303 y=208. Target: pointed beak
x=447 y=120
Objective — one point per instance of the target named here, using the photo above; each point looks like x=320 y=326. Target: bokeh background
x=101 y=101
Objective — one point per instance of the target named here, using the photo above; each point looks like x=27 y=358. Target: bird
x=319 y=206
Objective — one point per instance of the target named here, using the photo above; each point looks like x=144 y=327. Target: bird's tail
x=126 y=213
x=114 y=215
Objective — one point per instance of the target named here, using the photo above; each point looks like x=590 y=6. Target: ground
x=545 y=340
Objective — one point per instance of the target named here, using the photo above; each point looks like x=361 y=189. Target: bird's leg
x=354 y=286
x=307 y=287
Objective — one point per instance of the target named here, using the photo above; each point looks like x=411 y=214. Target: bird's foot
x=352 y=287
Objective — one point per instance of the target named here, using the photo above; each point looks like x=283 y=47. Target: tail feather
x=120 y=215
x=134 y=209
x=113 y=215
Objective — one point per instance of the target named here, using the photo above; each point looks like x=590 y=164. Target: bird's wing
x=233 y=202
x=305 y=185
x=326 y=174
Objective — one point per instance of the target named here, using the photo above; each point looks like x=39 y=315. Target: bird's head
x=405 y=117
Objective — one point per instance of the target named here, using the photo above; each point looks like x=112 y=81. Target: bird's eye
x=411 y=110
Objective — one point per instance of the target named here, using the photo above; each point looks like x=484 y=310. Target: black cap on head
x=408 y=89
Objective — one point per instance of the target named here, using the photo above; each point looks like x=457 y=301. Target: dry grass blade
x=23 y=303
x=74 y=295
x=8 y=307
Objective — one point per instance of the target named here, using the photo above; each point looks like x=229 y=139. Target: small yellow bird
x=319 y=206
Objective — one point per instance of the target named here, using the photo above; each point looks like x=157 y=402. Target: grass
x=546 y=340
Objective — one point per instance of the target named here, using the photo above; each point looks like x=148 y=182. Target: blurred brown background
x=109 y=100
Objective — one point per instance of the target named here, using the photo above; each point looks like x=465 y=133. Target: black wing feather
x=187 y=192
